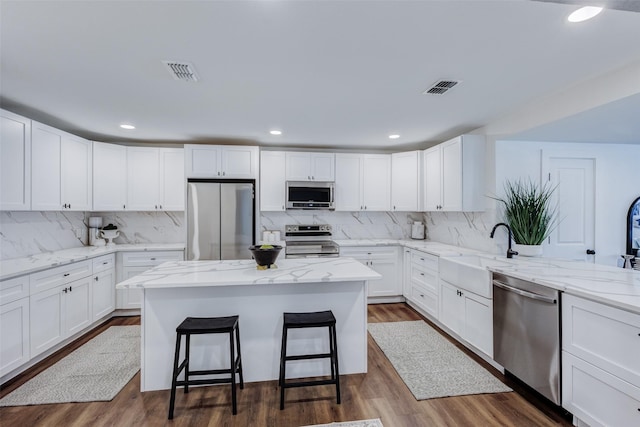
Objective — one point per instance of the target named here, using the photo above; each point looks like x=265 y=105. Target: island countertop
x=244 y=272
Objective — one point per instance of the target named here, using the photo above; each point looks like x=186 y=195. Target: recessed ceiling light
x=128 y=127
x=584 y=13
x=275 y=132
x=394 y=136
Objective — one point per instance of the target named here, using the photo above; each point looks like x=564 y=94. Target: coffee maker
x=95 y=223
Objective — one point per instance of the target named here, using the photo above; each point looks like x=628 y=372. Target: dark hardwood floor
x=378 y=394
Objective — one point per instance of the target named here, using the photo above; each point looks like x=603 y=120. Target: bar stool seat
x=310 y=320
x=207 y=325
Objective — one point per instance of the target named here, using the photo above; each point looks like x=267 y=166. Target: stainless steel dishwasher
x=526 y=333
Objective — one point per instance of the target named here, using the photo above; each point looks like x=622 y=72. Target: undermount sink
x=470 y=272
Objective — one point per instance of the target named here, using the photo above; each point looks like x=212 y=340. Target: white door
x=452 y=307
x=404 y=181
x=433 y=179
x=46 y=147
x=15 y=162
x=452 y=175
x=202 y=161
x=143 y=184
x=46 y=319
x=109 y=177
x=376 y=182
x=172 y=181
x=14 y=335
x=103 y=293
x=575 y=201
x=239 y=162
x=323 y=166
x=298 y=166
x=272 y=181
x=76 y=173
x=77 y=306
x=348 y=182
x=388 y=285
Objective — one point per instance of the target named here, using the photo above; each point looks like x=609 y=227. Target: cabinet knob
x=69 y=205
x=105 y=263
x=421 y=295
x=65 y=274
x=160 y=206
x=591 y=252
x=156 y=206
x=70 y=289
x=153 y=259
x=65 y=290
x=422 y=274
x=124 y=206
x=96 y=278
x=224 y=173
x=308 y=177
x=218 y=173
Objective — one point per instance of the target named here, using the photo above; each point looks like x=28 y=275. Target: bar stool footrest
x=308 y=383
x=308 y=356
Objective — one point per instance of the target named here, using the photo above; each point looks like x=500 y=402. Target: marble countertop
x=19 y=266
x=244 y=272
x=434 y=248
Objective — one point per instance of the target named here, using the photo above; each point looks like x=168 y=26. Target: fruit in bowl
x=265 y=255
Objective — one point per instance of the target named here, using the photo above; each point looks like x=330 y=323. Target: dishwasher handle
x=524 y=293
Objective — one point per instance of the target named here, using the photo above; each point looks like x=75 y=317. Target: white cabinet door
x=348 y=186
x=46 y=321
x=109 y=177
x=478 y=327
x=130 y=298
x=15 y=162
x=77 y=306
x=376 y=182
x=451 y=308
x=303 y=166
x=390 y=284
x=452 y=175
x=202 y=161
x=239 y=162
x=433 y=178
x=272 y=180
x=46 y=143
x=14 y=335
x=172 y=180
x=143 y=186
x=76 y=174
x=405 y=178
x=406 y=273
x=103 y=294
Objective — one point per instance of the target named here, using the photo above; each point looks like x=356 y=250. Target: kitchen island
x=176 y=290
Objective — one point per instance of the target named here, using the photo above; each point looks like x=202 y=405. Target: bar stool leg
x=283 y=357
x=174 y=377
x=186 y=366
x=232 y=358
x=239 y=357
x=335 y=358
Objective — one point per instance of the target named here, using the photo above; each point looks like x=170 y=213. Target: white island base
x=174 y=291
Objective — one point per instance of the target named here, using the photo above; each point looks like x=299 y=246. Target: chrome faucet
x=510 y=252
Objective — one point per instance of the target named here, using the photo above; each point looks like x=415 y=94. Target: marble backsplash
x=466 y=229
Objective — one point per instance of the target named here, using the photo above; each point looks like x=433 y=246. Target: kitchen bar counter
x=176 y=290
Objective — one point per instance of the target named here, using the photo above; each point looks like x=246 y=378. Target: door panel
x=203 y=221
x=236 y=221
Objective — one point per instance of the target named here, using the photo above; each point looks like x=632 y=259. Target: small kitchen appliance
x=417 y=230
x=95 y=223
x=110 y=232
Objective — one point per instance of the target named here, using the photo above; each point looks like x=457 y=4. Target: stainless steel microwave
x=310 y=195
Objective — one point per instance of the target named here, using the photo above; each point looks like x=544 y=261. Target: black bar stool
x=309 y=320
x=207 y=325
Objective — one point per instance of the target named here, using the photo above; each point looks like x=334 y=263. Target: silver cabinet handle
x=524 y=293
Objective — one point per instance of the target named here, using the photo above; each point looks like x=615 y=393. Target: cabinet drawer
x=597 y=397
x=14 y=289
x=150 y=259
x=103 y=263
x=57 y=276
x=426 y=261
x=370 y=253
x=424 y=277
x=425 y=299
x=603 y=336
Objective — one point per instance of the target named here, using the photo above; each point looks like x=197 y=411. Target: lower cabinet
x=104 y=293
x=131 y=264
x=468 y=315
x=385 y=261
x=14 y=335
x=422 y=271
x=600 y=363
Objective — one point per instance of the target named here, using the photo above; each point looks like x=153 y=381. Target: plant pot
x=265 y=257
x=528 y=250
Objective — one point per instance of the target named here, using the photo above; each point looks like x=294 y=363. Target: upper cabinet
x=406 y=174
x=363 y=182
x=221 y=161
x=143 y=183
x=306 y=166
x=454 y=175
x=172 y=181
x=61 y=166
x=15 y=162
x=109 y=177
x=272 y=180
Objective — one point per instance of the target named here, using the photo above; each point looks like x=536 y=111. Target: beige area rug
x=429 y=364
x=97 y=371
x=361 y=423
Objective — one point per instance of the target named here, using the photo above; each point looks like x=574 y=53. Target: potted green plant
x=528 y=211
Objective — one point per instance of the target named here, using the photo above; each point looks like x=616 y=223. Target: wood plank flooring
x=378 y=394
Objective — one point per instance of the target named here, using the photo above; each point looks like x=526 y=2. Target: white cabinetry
x=272 y=180
x=363 y=182
x=421 y=286
x=103 y=299
x=131 y=264
x=143 y=185
x=61 y=170
x=600 y=363
x=386 y=262
x=15 y=162
x=221 y=161
x=406 y=179
x=305 y=166
x=14 y=323
x=468 y=315
x=454 y=175
x=172 y=180
x=109 y=177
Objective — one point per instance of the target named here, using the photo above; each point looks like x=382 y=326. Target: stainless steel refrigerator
x=220 y=219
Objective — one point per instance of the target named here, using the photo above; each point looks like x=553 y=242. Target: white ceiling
x=326 y=73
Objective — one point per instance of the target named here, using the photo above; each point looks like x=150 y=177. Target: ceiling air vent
x=441 y=87
x=181 y=71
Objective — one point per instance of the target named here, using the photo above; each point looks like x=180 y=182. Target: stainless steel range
x=310 y=241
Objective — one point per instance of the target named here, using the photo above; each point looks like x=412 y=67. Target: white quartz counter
x=434 y=248
x=189 y=274
x=18 y=266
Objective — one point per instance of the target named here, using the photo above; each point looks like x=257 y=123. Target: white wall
x=617 y=183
